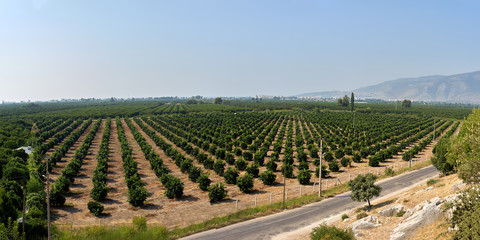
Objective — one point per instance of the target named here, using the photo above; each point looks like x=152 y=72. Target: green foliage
x=99 y=191
x=333 y=166
x=219 y=167
x=241 y=164
x=324 y=232
x=95 y=208
x=389 y=171
x=344 y=216
x=272 y=165
x=373 y=161
x=303 y=166
x=231 y=175
x=174 y=188
x=406 y=103
x=287 y=171
x=304 y=176
x=9 y=232
x=137 y=196
x=253 y=170
x=361 y=215
x=346 y=161
x=57 y=197
x=439 y=160
x=466 y=214
x=140 y=222
x=268 y=177
x=363 y=188
x=464 y=150
x=217 y=192
x=203 y=181
x=194 y=173
x=245 y=183
x=400 y=213
x=431 y=182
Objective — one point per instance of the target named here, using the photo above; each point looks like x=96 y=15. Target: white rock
x=423 y=214
x=391 y=211
x=364 y=223
x=457 y=187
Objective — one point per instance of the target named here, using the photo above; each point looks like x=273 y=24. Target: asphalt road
x=269 y=226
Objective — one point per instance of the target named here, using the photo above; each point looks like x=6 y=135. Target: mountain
x=459 y=88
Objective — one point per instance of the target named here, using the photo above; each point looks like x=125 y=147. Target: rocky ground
x=417 y=213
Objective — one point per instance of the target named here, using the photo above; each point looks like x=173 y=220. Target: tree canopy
x=363 y=188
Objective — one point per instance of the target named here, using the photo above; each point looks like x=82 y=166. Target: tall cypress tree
x=352 y=102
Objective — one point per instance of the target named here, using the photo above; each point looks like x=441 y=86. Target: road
x=269 y=226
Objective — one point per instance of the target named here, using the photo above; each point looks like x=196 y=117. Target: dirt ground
x=194 y=207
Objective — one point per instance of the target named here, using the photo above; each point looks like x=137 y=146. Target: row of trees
x=67 y=177
x=100 y=190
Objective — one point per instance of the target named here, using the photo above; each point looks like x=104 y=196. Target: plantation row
x=237 y=148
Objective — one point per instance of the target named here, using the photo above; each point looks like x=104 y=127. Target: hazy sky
x=53 y=49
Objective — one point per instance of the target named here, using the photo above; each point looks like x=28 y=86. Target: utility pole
x=320 y=171
x=284 y=182
x=48 y=198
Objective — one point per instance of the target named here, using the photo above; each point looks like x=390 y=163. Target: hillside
x=458 y=88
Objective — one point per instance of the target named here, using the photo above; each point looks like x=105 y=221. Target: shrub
x=241 y=164
x=231 y=175
x=95 y=208
x=272 y=165
x=268 y=177
x=217 y=192
x=208 y=163
x=339 y=153
x=253 y=169
x=361 y=215
x=431 y=182
x=304 y=177
x=248 y=155
x=324 y=232
x=230 y=159
x=390 y=172
x=333 y=166
x=194 y=173
x=373 y=161
x=303 y=166
x=99 y=191
x=137 y=195
x=344 y=216
x=401 y=213
x=57 y=197
x=140 y=222
x=185 y=165
x=357 y=158
x=288 y=171
x=219 y=167
x=174 y=188
x=245 y=183
x=345 y=161
x=203 y=181
x=325 y=172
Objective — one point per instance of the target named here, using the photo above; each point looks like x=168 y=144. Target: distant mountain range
x=458 y=88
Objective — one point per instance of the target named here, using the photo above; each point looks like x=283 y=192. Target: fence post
x=286 y=194
x=313 y=188
x=300 y=190
x=236 y=204
x=326 y=184
x=255 y=201
x=271 y=198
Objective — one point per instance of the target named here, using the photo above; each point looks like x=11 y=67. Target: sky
x=70 y=49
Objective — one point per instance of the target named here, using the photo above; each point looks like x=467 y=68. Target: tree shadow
x=111 y=201
x=257 y=192
x=150 y=206
x=189 y=198
x=228 y=200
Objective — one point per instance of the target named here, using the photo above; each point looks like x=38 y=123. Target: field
x=153 y=159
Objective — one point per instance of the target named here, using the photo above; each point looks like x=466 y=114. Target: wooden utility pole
x=48 y=198
x=320 y=171
x=284 y=182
